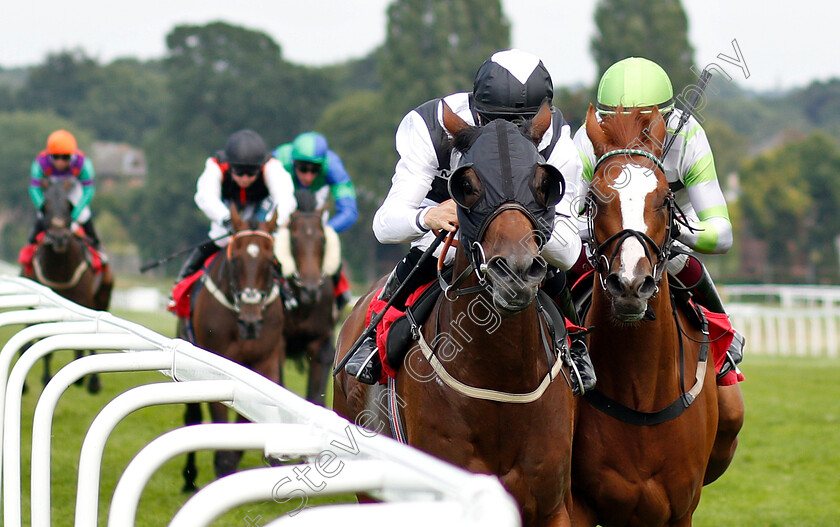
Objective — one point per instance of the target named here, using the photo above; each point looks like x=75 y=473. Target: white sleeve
x=399 y=218
x=563 y=248
x=281 y=188
x=208 y=193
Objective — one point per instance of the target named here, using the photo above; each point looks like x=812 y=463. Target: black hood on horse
x=505 y=160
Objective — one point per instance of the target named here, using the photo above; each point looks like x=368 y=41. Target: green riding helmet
x=635 y=83
x=310 y=147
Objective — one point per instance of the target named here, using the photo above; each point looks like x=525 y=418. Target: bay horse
x=482 y=389
x=62 y=262
x=309 y=326
x=647 y=438
x=237 y=314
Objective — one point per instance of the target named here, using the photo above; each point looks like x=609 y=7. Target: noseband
x=600 y=261
x=477 y=260
x=247 y=295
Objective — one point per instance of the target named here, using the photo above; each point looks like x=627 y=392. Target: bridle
x=295 y=278
x=477 y=261
x=248 y=295
x=600 y=261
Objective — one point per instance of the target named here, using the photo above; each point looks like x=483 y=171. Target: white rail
x=416 y=488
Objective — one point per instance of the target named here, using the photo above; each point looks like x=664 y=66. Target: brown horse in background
x=237 y=314
x=62 y=262
x=645 y=436
x=309 y=327
x=481 y=395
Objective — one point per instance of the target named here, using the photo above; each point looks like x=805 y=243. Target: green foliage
x=434 y=47
x=653 y=29
x=790 y=199
x=363 y=136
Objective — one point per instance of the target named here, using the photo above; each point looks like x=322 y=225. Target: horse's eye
x=467 y=187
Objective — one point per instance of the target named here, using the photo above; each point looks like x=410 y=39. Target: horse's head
x=57 y=210
x=252 y=275
x=506 y=195
x=630 y=208
x=308 y=245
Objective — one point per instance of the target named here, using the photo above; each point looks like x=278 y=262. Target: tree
x=434 y=47
x=790 y=198
x=61 y=83
x=364 y=138
x=653 y=29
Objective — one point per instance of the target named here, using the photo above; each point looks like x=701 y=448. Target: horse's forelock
x=464 y=139
x=633 y=129
x=305 y=200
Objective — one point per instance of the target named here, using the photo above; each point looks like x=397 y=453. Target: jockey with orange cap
x=63 y=160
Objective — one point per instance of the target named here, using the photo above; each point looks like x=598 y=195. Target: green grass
x=784 y=472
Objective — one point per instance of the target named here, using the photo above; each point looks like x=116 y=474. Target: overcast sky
x=783 y=44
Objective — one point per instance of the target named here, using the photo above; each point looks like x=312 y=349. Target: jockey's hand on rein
x=443 y=216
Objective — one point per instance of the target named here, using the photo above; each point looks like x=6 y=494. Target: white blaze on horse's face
x=632 y=188
x=252 y=250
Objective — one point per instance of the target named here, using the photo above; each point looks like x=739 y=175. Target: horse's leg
x=81 y=380
x=192 y=416
x=102 y=296
x=321 y=357
x=94 y=385
x=730 y=420
x=224 y=461
x=47 y=375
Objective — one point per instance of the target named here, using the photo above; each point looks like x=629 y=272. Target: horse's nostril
x=613 y=285
x=648 y=287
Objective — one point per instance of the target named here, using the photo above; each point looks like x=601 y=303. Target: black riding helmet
x=245 y=151
x=511 y=85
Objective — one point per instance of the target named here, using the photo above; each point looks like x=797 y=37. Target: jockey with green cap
x=315 y=167
x=690 y=170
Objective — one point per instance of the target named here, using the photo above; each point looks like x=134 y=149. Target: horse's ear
x=271 y=225
x=45 y=184
x=541 y=122
x=595 y=132
x=452 y=122
x=67 y=183
x=656 y=131
x=236 y=219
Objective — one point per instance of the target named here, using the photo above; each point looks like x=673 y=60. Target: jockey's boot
x=343 y=298
x=93 y=240
x=287 y=294
x=365 y=364
x=197 y=258
x=581 y=369
x=708 y=296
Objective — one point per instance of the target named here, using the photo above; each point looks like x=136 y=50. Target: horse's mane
x=305 y=200
x=636 y=129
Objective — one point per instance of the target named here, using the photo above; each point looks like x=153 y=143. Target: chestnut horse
x=645 y=435
x=237 y=314
x=62 y=262
x=309 y=327
x=484 y=392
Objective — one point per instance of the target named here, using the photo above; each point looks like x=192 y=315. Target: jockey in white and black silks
x=246 y=176
x=511 y=85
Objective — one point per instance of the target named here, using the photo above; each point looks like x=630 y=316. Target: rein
x=631 y=416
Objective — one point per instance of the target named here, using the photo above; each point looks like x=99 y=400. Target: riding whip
x=375 y=320
x=700 y=87
x=150 y=265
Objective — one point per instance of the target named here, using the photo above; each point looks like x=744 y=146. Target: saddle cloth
x=27 y=253
x=181 y=303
